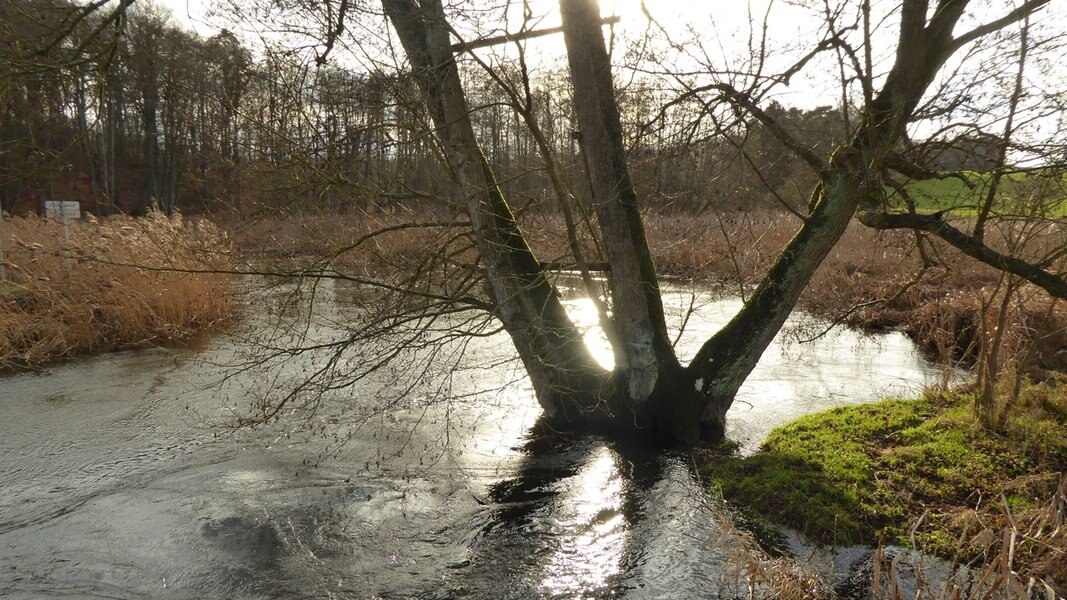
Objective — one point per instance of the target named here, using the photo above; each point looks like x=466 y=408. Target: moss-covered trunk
x=847 y=183
x=725 y=361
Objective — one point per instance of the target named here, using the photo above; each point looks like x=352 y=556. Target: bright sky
x=721 y=33
x=721 y=25
x=673 y=14
x=189 y=13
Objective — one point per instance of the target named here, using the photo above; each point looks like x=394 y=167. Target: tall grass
x=871 y=279
x=100 y=285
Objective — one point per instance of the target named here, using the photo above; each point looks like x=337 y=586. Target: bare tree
x=649 y=389
x=483 y=262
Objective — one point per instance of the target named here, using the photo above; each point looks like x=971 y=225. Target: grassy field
x=917 y=472
x=1018 y=194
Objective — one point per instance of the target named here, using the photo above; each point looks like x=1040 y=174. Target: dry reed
x=1023 y=555
x=871 y=279
x=100 y=285
x=748 y=568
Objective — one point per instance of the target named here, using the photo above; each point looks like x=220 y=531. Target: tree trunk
x=724 y=362
x=847 y=183
x=569 y=383
x=640 y=326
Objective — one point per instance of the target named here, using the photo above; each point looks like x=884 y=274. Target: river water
x=120 y=479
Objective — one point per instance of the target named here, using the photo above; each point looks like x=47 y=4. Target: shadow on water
x=586 y=517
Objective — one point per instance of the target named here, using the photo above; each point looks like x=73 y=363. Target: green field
x=1026 y=194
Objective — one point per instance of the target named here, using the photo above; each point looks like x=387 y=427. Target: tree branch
x=334 y=32
x=1016 y=15
x=745 y=102
x=901 y=164
x=83 y=13
x=464 y=46
x=1052 y=283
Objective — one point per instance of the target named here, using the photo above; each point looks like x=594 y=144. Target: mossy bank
x=916 y=472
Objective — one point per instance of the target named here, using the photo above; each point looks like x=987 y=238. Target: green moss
x=867 y=473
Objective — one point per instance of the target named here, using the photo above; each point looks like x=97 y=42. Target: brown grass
x=750 y=568
x=872 y=280
x=65 y=296
x=1023 y=553
x=294 y=241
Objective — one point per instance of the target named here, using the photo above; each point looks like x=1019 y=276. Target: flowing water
x=116 y=480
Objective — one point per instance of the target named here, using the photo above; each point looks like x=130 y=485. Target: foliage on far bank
x=101 y=285
x=918 y=473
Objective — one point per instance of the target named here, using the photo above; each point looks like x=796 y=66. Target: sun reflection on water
x=593 y=531
x=584 y=314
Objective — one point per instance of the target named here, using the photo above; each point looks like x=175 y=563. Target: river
x=120 y=479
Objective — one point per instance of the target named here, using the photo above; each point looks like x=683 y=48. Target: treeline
x=125 y=111
x=119 y=111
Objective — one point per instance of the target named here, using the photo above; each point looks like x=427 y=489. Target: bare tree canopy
x=339 y=109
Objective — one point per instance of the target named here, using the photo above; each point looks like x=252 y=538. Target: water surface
x=117 y=481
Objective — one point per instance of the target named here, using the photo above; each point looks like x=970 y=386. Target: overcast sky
x=721 y=24
x=717 y=33
x=674 y=14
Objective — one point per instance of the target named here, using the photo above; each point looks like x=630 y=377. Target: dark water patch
x=249 y=539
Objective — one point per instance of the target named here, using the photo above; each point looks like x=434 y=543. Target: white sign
x=62 y=210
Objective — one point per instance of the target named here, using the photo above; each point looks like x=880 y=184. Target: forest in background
x=130 y=111
x=126 y=112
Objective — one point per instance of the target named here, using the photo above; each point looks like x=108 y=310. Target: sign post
x=63 y=210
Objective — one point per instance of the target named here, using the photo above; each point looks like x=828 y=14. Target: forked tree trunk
x=688 y=405
x=847 y=183
x=649 y=390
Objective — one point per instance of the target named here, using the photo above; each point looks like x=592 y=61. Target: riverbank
x=918 y=473
x=94 y=286
x=871 y=280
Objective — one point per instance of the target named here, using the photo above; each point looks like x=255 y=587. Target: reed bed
x=102 y=285
x=871 y=280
